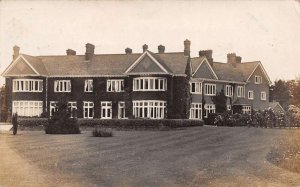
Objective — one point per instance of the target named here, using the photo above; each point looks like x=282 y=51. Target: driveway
x=198 y=156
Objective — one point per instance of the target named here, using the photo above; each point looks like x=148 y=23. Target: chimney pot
x=231 y=58
x=161 y=49
x=16 y=53
x=70 y=52
x=187 y=47
x=89 y=53
x=145 y=47
x=128 y=51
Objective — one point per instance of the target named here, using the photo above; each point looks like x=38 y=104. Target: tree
x=294 y=88
x=220 y=102
x=280 y=92
x=3 y=106
x=187 y=94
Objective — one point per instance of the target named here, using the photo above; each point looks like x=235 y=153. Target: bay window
x=27 y=85
x=149 y=109
x=28 y=108
x=150 y=84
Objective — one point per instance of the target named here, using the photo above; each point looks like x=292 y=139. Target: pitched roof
x=240 y=72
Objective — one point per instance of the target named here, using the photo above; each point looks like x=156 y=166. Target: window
x=196 y=111
x=246 y=109
x=62 y=86
x=229 y=91
x=106 y=110
x=263 y=96
x=196 y=87
x=88 y=109
x=258 y=79
x=28 y=108
x=149 y=109
x=210 y=89
x=53 y=107
x=121 y=110
x=241 y=91
x=115 y=85
x=72 y=106
x=27 y=85
x=250 y=95
x=150 y=84
x=228 y=107
x=209 y=108
x=88 y=85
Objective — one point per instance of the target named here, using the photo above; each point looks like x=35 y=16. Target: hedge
x=119 y=123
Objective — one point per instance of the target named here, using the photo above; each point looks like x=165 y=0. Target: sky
x=268 y=31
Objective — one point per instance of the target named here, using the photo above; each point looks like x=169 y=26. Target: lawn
x=197 y=156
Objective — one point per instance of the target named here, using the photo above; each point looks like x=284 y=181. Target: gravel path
x=200 y=156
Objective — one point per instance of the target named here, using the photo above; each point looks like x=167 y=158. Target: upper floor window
x=258 y=79
x=241 y=91
x=150 y=84
x=115 y=85
x=210 y=89
x=229 y=91
x=62 y=86
x=196 y=87
x=250 y=95
x=27 y=85
x=88 y=85
x=263 y=96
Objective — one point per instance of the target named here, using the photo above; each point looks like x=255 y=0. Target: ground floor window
x=196 y=111
x=121 y=110
x=88 y=109
x=149 y=109
x=228 y=107
x=28 y=108
x=72 y=106
x=209 y=108
x=106 y=110
x=246 y=109
x=53 y=107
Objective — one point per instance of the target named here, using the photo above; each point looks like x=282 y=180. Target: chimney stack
x=161 y=49
x=16 y=52
x=231 y=58
x=71 y=52
x=89 y=53
x=128 y=51
x=145 y=47
x=208 y=55
x=187 y=47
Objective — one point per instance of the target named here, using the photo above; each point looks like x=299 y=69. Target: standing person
x=15 y=123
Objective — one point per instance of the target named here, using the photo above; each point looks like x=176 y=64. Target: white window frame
x=228 y=107
x=121 y=110
x=228 y=91
x=240 y=91
x=197 y=86
x=150 y=84
x=246 y=109
x=263 y=96
x=209 y=108
x=115 y=85
x=62 y=86
x=89 y=106
x=88 y=85
x=210 y=89
x=250 y=95
x=107 y=107
x=27 y=108
x=52 y=107
x=72 y=105
x=196 y=111
x=257 y=79
x=27 y=85
x=151 y=109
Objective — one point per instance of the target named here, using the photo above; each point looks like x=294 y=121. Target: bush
x=61 y=123
x=102 y=132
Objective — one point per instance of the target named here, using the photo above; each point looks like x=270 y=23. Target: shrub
x=102 y=132
x=61 y=123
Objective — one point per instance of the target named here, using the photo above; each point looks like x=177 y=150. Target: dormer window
x=88 y=85
x=258 y=79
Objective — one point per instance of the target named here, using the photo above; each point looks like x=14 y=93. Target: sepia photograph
x=132 y=93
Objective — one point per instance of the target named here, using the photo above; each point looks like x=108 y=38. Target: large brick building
x=133 y=85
